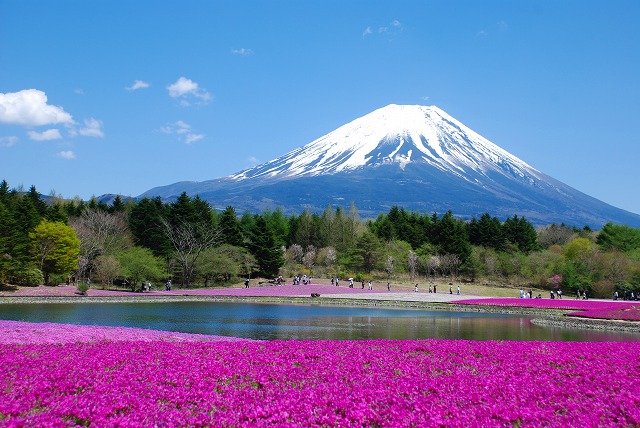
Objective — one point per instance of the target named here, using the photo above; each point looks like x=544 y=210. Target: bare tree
x=431 y=265
x=451 y=263
x=107 y=268
x=412 y=261
x=294 y=254
x=309 y=258
x=189 y=241
x=388 y=266
x=100 y=233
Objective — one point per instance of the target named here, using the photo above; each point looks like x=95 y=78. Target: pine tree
x=230 y=228
x=266 y=251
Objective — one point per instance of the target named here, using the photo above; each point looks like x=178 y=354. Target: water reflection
x=271 y=321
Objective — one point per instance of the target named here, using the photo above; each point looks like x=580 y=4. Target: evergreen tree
x=247 y=223
x=487 y=232
x=521 y=234
x=266 y=251
x=39 y=204
x=450 y=235
x=230 y=228
x=117 y=205
x=278 y=224
x=146 y=225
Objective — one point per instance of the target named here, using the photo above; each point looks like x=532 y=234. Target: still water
x=275 y=321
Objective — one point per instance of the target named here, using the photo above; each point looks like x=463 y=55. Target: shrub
x=55 y=279
x=83 y=287
x=31 y=277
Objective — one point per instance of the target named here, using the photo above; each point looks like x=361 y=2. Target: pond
x=314 y=322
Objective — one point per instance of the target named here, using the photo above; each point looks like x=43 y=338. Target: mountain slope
x=416 y=157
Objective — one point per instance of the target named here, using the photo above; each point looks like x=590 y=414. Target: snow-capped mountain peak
x=396 y=134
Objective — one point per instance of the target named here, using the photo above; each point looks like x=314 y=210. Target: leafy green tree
x=55 y=248
x=367 y=253
x=139 y=264
x=620 y=237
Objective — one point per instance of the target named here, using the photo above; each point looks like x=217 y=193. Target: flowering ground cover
x=18 y=332
x=601 y=309
x=318 y=383
x=254 y=291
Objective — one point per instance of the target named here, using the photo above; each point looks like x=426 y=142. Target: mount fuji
x=415 y=157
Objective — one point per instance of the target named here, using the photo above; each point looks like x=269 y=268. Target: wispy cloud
x=8 y=141
x=192 y=138
x=242 y=52
x=66 y=154
x=92 y=128
x=390 y=29
x=29 y=108
x=49 y=134
x=78 y=91
x=253 y=161
x=138 y=84
x=503 y=26
x=183 y=130
x=186 y=89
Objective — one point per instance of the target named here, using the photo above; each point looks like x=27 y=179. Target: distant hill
x=416 y=157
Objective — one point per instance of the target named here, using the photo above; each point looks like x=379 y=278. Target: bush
x=83 y=287
x=56 y=279
x=32 y=277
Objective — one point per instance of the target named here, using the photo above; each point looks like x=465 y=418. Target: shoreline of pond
x=543 y=316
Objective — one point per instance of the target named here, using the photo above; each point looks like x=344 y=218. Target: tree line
x=132 y=242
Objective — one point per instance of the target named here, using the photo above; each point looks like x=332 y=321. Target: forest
x=51 y=240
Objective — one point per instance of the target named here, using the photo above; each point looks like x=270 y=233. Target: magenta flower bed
x=254 y=291
x=18 y=332
x=319 y=383
x=620 y=310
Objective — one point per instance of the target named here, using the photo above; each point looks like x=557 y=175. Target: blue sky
x=121 y=96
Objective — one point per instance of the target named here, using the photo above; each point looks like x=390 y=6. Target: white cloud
x=67 y=154
x=8 y=141
x=29 y=108
x=185 y=88
x=242 y=52
x=367 y=31
x=92 y=128
x=49 y=134
x=482 y=33
x=183 y=130
x=78 y=91
x=138 y=84
x=192 y=138
x=503 y=26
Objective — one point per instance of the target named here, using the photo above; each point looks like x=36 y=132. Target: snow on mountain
x=399 y=134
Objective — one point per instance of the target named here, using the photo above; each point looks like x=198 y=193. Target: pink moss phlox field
x=287 y=290
x=602 y=309
x=18 y=332
x=320 y=383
